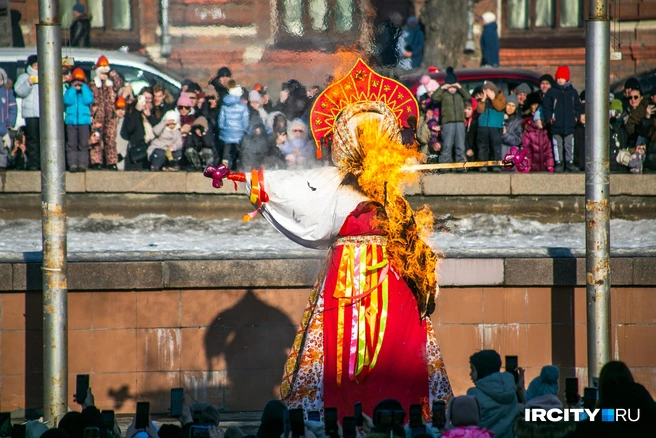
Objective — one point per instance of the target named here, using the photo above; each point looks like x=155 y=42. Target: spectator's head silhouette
x=272 y=421
x=463 y=411
x=73 y=424
x=483 y=363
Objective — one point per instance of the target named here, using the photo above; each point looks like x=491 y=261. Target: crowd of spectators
x=494 y=407
x=109 y=126
x=548 y=125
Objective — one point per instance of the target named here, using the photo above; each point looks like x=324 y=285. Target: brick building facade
x=274 y=40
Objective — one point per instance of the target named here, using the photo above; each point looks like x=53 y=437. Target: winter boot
x=559 y=166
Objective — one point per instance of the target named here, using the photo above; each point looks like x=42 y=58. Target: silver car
x=137 y=70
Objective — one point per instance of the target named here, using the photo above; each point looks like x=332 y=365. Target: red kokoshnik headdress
x=361 y=85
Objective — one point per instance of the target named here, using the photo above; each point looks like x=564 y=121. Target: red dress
x=361 y=338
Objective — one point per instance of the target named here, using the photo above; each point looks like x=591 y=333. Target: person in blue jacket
x=77 y=102
x=233 y=122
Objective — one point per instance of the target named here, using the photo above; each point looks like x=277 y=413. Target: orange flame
x=381 y=178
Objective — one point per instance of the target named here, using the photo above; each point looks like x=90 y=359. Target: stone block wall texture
x=228 y=346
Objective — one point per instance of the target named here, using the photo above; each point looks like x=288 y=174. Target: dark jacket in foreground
x=562 y=108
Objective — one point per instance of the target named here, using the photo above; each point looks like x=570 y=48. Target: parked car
x=506 y=79
x=137 y=70
x=647 y=83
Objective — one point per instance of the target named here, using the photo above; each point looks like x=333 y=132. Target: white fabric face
x=308 y=206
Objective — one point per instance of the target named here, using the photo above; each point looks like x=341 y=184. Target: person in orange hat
x=105 y=87
x=121 y=143
x=77 y=102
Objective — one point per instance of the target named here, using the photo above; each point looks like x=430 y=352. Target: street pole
x=597 y=186
x=53 y=214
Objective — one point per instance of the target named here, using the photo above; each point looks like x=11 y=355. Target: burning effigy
x=366 y=333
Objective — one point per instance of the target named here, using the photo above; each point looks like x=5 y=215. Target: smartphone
x=91 y=432
x=359 y=419
x=384 y=418
x=108 y=419
x=200 y=431
x=81 y=388
x=589 y=398
x=416 y=417
x=416 y=420
x=511 y=364
x=398 y=417
x=348 y=427
x=297 y=423
x=439 y=414
x=572 y=390
x=143 y=415
x=314 y=416
x=5 y=424
x=330 y=417
x=176 y=401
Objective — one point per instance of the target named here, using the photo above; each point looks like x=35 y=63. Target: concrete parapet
x=547 y=184
x=448 y=184
x=463 y=184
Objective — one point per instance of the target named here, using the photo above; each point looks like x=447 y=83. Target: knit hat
x=473 y=103
x=102 y=62
x=532 y=98
x=512 y=99
x=78 y=75
x=538 y=115
x=171 y=115
x=489 y=17
x=545 y=383
x=432 y=86
x=485 y=362
x=463 y=411
x=79 y=8
x=255 y=96
x=632 y=83
x=120 y=103
x=201 y=121
x=72 y=423
x=616 y=105
x=31 y=60
x=490 y=86
x=451 y=77
x=547 y=77
x=210 y=91
x=523 y=88
x=184 y=100
x=425 y=79
x=224 y=72
x=562 y=73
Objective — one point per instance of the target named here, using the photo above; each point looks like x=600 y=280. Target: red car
x=507 y=79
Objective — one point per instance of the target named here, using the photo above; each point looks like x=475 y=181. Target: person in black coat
x=17 y=39
x=562 y=108
x=80 y=30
